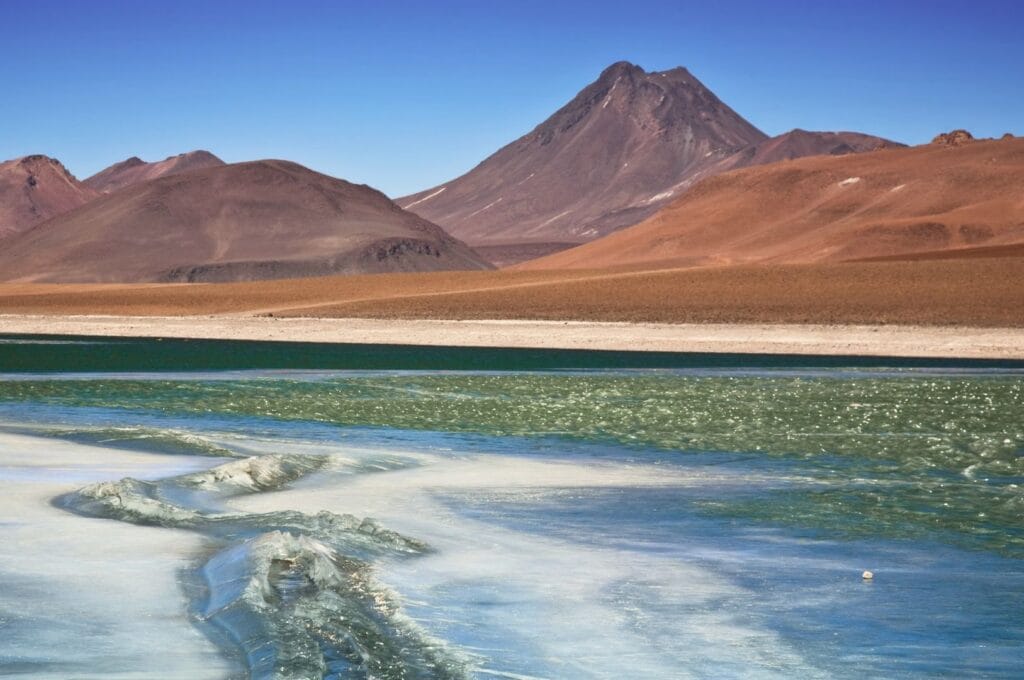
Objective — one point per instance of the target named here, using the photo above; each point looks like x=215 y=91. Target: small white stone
x=867 y=576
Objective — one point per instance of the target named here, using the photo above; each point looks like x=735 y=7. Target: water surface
x=534 y=514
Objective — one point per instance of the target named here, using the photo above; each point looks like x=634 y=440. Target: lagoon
x=200 y=510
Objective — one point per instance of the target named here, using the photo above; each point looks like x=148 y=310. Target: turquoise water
x=556 y=514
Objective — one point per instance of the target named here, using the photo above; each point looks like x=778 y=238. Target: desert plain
x=971 y=305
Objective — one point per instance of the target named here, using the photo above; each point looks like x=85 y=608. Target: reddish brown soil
x=886 y=203
x=969 y=291
x=1012 y=250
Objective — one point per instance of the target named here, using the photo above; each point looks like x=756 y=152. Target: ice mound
x=292 y=590
x=298 y=609
x=129 y=500
x=258 y=473
x=159 y=503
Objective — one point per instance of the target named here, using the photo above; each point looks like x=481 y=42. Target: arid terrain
x=892 y=202
x=134 y=170
x=34 y=189
x=735 y=227
x=628 y=144
x=258 y=220
x=979 y=291
x=625 y=146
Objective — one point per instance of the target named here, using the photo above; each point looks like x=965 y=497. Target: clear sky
x=406 y=95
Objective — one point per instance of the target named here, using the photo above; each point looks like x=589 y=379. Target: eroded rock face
x=1007 y=135
x=954 y=138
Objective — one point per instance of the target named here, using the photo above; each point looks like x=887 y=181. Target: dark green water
x=34 y=353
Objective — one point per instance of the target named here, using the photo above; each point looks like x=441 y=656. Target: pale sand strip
x=907 y=341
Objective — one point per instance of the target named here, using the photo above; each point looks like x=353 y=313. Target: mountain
x=34 y=189
x=624 y=147
x=892 y=203
x=607 y=159
x=258 y=220
x=135 y=170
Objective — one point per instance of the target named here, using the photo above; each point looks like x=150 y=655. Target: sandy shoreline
x=896 y=341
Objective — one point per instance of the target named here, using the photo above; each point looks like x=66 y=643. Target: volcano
x=624 y=147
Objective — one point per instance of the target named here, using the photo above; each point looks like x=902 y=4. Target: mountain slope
x=893 y=202
x=34 y=189
x=802 y=143
x=135 y=170
x=624 y=147
x=265 y=219
x=610 y=157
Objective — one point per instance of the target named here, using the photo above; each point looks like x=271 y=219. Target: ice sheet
x=90 y=598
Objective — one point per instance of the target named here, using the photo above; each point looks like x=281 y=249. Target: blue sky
x=405 y=95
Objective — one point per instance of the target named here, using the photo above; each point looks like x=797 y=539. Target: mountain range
x=638 y=170
x=264 y=219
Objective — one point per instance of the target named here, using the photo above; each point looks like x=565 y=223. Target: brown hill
x=34 y=189
x=792 y=145
x=627 y=145
x=135 y=170
x=265 y=219
x=607 y=159
x=802 y=143
x=891 y=202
